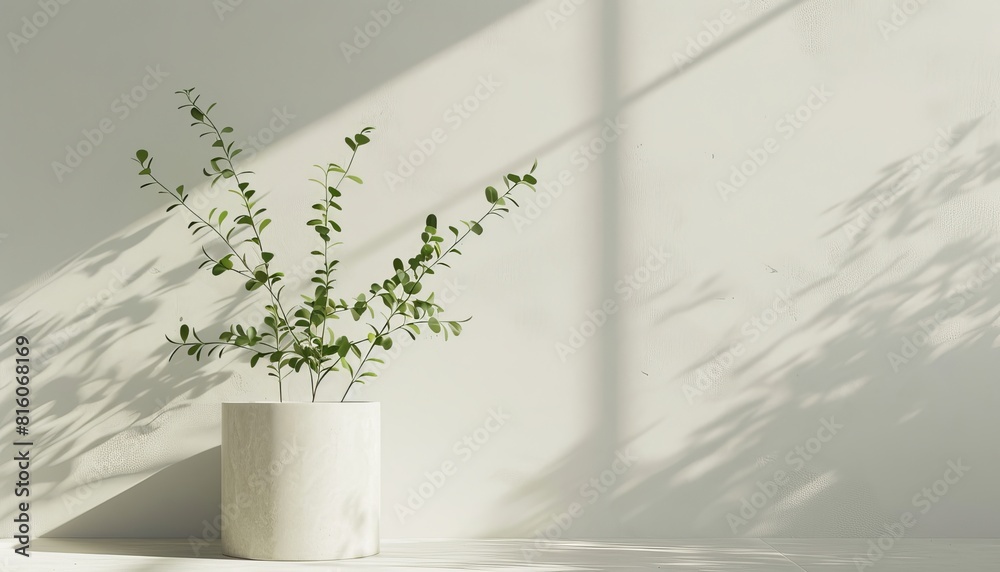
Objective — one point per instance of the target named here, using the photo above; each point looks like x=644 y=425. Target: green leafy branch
x=301 y=337
x=408 y=280
x=223 y=167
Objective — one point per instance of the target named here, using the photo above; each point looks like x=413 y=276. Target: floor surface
x=745 y=555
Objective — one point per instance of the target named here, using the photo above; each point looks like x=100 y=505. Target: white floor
x=745 y=555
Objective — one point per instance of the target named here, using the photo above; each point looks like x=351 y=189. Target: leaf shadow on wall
x=98 y=422
x=909 y=321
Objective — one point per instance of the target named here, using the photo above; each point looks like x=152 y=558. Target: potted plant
x=300 y=480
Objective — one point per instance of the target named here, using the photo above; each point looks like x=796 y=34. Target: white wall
x=680 y=378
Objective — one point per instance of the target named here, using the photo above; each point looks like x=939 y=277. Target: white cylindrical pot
x=300 y=481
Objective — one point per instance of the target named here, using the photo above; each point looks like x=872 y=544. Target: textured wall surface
x=755 y=294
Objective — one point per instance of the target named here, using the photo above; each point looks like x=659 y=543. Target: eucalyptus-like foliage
x=302 y=336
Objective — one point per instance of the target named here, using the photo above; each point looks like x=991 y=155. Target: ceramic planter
x=300 y=481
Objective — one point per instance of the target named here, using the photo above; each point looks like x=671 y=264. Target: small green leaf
x=197 y=114
x=184 y=332
x=141 y=155
x=477 y=228
x=350 y=143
